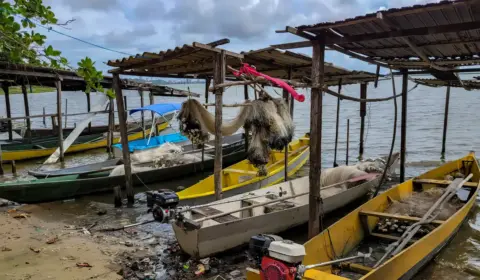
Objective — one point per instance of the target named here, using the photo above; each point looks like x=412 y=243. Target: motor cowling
x=259 y=244
x=162 y=204
x=281 y=263
x=272 y=269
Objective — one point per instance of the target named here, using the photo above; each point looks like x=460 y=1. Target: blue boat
x=160 y=110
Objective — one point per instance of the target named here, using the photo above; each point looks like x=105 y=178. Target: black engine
x=161 y=203
x=258 y=246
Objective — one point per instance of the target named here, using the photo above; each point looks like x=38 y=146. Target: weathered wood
x=335 y=164
x=142 y=103
x=88 y=110
x=117 y=196
x=358 y=56
x=27 y=112
x=126 y=107
x=2 y=172
x=54 y=122
x=315 y=198
x=14 y=167
x=124 y=139
x=377 y=75
x=8 y=108
x=445 y=120
x=39 y=74
x=219 y=76
x=363 y=113
x=287 y=97
x=403 y=140
x=394 y=216
x=442 y=183
x=44 y=117
x=58 y=85
x=214 y=49
x=293 y=45
x=348 y=141
x=66 y=112
x=154 y=126
x=247 y=132
x=207 y=85
x=111 y=127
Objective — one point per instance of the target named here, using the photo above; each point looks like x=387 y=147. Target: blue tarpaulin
x=161 y=108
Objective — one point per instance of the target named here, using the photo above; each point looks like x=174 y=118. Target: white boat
x=210 y=236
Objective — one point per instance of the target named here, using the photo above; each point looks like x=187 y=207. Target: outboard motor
x=161 y=203
x=277 y=259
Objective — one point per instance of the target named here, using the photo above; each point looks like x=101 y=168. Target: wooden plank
x=363 y=113
x=389 y=237
x=293 y=45
x=213 y=49
x=219 y=76
x=356 y=267
x=445 y=120
x=5 y=88
x=393 y=216
x=403 y=139
x=124 y=138
x=27 y=111
x=337 y=124
x=40 y=74
x=315 y=199
x=58 y=85
x=209 y=211
x=443 y=183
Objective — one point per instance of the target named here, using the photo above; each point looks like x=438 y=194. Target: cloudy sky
x=135 y=26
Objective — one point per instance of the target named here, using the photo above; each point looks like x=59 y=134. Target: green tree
x=93 y=77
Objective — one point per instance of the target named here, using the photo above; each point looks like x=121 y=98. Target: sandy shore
x=26 y=254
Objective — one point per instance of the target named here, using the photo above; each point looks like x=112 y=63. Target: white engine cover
x=287 y=251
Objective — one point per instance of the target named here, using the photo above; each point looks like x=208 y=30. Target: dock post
x=315 y=198
x=111 y=127
x=219 y=77
x=117 y=197
x=27 y=112
x=44 y=118
x=58 y=85
x=403 y=140
x=445 y=121
x=88 y=109
x=348 y=140
x=247 y=132
x=66 y=112
x=142 y=103
x=152 y=100
x=1 y=161
x=124 y=138
x=287 y=98
x=14 y=167
x=126 y=108
x=9 y=112
x=363 y=113
x=337 y=124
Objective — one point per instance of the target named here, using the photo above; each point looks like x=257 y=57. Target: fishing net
x=150 y=155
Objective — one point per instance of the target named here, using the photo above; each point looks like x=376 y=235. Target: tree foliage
x=19 y=41
x=93 y=77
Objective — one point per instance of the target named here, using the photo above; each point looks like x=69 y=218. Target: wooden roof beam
x=386 y=21
x=449 y=42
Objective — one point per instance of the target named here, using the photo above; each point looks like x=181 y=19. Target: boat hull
x=218 y=238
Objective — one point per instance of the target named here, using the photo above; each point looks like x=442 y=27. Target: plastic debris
x=21 y=216
x=200 y=270
x=83 y=264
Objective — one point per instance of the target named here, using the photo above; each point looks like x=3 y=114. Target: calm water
x=424 y=138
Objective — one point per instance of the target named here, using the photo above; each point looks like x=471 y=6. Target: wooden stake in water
x=66 y=112
x=348 y=140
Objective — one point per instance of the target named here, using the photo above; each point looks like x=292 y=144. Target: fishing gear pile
x=267 y=119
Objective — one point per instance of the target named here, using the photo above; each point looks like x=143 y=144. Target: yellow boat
x=361 y=227
x=44 y=148
x=242 y=177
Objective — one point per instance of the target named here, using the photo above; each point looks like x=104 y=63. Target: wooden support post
x=337 y=124
x=58 y=85
x=363 y=113
x=2 y=172
x=44 y=118
x=377 y=74
x=445 y=121
x=154 y=126
x=66 y=112
x=14 y=167
x=142 y=103
x=247 y=132
x=9 y=112
x=111 y=128
x=124 y=138
x=207 y=86
x=117 y=196
x=88 y=110
x=54 y=124
x=219 y=77
x=315 y=199
x=27 y=112
x=287 y=97
x=348 y=140
x=403 y=140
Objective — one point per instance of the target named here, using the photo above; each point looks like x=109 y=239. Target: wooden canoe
x=242 y=177
x=64 y=187
x=45 y=148
x=357 y=229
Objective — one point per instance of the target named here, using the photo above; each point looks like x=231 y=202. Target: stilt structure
x=5 y=88
x=59 y=120
x=247 y=132
x=288 y=100
x=348 y=141
x=403 y=141
x=335 y=164
x=363 y=113
x=88 y=110
x=219 y=77
x=124 y=139
x=27 y=112
x=445 y=121
x=142 y=103
x=152 y=101
x=111 y=127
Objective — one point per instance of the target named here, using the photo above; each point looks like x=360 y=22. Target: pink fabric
x=247 y=69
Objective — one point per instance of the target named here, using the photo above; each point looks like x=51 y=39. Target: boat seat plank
x=393 y=216
x=231 y=170
x=442 y=182
x=355 y=267
x=389 y=237
x=209 y=211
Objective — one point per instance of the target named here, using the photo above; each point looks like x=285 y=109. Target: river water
x=424 y=138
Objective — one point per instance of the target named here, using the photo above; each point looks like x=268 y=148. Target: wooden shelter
x=206 y=61
x=431 y=38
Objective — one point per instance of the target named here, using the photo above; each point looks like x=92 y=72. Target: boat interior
x=378 y=225
x=243 y=173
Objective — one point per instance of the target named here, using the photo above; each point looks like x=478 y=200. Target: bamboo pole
x=363 y=113
x=27 y=112
x=58 y=85
x=124 y=139
x=142 y=103
x=9 y=112
x=111 y=128
x=445 y=121
x=88 y=110
x=348 y=140
x=337 y=124
x=219 y=76
x=315 y=199
x=403 y=143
